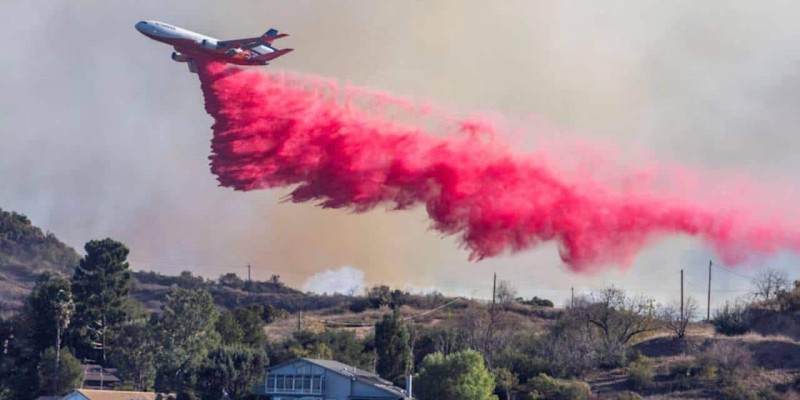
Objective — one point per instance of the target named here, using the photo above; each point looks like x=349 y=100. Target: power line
x=449 y=287
x=748 y=278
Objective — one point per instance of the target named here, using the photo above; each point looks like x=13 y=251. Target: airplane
x=191 y=45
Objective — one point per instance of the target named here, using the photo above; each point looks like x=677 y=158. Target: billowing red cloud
x=341 y=151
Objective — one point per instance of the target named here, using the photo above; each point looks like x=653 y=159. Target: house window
x=301 y=384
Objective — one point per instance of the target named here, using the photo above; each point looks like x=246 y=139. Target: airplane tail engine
x=209 y=44
x=179 y=57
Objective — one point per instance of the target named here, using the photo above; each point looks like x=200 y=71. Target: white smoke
x=345 y=280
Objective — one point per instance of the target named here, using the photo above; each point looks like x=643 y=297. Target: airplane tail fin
x=271 y=35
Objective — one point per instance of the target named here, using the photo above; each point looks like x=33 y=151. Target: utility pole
x=248 y=273
x=681 y=296
x=299 y=320
x=708 y=305
x=494 y=289
x=572 y=297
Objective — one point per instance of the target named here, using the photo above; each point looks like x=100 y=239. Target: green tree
x=313 y=350
x=231 y=280
x=100 y=286
x=64 y=376
x=458 y=376
x=135 y=354
x=330 y=344
x=48 y=311
x=392 y=348
x=185 y=329
x=272 y=314
x=230 y=332
x=249 y=319
x=231 y=371
x=37 y=328
x=506 y=380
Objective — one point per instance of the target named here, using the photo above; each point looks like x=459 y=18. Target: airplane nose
x=140 y=26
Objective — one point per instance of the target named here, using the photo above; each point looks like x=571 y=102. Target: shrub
x=731 y=320
x=736 y=391
x=640 y=373
x=359 y=305
x=559 y=389
x=789 y=300
x=538 y=302
x=687 y=374
x=682 y=375
x=768 y=393
x=731 y=360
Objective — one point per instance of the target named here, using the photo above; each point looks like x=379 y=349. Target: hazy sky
x=105 y=136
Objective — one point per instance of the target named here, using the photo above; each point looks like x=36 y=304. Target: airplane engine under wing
x=179 y=57
x=210 y=44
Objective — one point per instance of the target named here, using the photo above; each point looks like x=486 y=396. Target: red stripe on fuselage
x=195 y=50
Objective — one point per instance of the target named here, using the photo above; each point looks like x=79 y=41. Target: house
x=97 y=377
x=91 y=394
x=312 y=379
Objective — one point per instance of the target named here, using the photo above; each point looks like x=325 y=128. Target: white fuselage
x=194 y=44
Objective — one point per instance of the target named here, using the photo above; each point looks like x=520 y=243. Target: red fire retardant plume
x=276 y=130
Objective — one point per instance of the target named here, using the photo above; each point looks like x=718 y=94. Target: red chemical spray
x=341 y=150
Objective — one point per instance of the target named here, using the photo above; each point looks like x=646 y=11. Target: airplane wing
x=266 y=38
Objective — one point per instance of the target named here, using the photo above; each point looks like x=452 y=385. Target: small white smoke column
x=344 y=280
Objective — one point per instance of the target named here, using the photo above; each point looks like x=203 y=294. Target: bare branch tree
x=673 y=320
x=487 y=331
x=618 y=320
x=506 y=293
x=768 y=283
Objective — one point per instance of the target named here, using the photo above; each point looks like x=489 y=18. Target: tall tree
x=48 y=312
x=34 y=330
x=458 y=376
x=186 y=331
x=135 y=354
x=392 y=347
x=231 y=371
x=101 y=284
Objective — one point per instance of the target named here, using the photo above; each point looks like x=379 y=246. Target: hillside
x=25 y=252
x=525 y=337
x=229 y=292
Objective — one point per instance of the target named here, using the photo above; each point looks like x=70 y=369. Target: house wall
x=75 y=396
x=337 y=386
x=362 y=389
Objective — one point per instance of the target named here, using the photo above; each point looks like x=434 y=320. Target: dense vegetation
x=25 y=252
x=23 y=243
x=203 y=339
